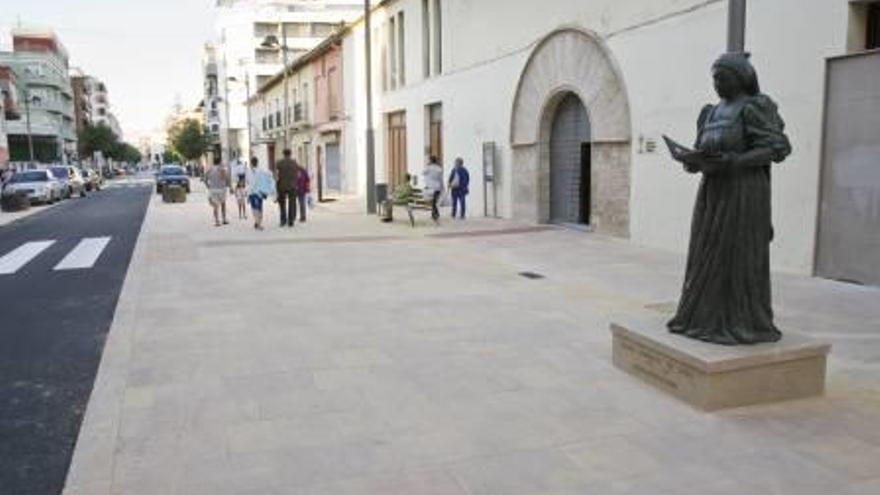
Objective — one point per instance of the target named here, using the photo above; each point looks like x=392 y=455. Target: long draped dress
x=726 y=294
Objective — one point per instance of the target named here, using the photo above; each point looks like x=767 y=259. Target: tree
x=97 y=138
x=125 y=152
x=187 y=139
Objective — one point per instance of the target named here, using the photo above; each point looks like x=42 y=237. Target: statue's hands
x=713 y=164
x=691 y=162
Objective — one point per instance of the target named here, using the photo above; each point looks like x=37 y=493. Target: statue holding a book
x=726 y=294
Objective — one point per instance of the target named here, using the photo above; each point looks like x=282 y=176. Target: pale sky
x=147 y=51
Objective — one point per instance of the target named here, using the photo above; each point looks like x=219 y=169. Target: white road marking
x=84 y=255
x=19 y=257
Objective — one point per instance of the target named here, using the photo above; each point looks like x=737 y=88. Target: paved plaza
x=347 y=356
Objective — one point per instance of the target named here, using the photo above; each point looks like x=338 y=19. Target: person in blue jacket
x=459 y=180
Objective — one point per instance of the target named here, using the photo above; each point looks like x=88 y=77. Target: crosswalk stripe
x=20 y=256
x=84 y=255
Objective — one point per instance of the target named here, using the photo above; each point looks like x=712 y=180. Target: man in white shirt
x=433 y=185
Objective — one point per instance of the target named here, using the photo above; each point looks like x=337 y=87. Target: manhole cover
x=531 y=275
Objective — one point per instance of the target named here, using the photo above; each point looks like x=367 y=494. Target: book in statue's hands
x=679 y=151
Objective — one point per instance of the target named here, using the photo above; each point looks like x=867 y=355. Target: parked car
x=171 y=175
x=71 y=179
x=93 y=180
x=39 y=185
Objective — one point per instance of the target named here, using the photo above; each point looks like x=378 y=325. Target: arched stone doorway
x=570 y=163
x=571 y=62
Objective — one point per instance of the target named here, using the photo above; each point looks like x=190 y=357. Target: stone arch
x=571 y=60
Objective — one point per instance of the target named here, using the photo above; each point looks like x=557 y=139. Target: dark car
x=172 y=175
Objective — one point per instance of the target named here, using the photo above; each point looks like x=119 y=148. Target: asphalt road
x=56 y=306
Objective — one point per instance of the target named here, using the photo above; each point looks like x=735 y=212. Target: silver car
x=39 y=185
x=71 y=179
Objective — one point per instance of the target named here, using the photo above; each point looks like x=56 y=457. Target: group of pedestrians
x=458 y=184
x=290 y=184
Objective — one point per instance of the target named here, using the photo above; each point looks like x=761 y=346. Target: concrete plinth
x=173 y=194
x=711 y=376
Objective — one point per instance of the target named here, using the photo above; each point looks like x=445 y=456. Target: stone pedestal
x=173 y=194
x=713 y=377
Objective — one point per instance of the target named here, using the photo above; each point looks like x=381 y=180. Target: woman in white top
x=433 y=185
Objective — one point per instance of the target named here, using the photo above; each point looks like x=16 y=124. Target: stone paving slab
x=347 y=356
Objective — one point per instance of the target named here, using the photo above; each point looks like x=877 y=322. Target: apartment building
x=314 y=130
x=40 y=64
x=253 y=38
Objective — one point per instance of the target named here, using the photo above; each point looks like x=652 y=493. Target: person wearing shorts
x=261 y=187
x=217 y=180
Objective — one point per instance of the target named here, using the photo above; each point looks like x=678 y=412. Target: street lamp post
x=371 y=143
x=271 y=41
x=226 y=108
x=27 y=111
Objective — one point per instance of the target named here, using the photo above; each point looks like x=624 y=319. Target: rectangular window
x=434 y=114
x=392 y=53
x=438 y=38
x=333 y=93
x=426 y=39
x=401 y=51
x=297 y=29
x=263 y=29
x=872 y=36
x=305 y=101
x=322 y=29
x=383 y=55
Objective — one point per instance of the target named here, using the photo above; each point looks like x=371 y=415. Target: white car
x=39 y=185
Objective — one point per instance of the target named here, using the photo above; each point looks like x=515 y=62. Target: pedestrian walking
x=241 y=195
x=433 y=186
x=303 y=188
x=261 y=187
x=217 y=180
x=285 y=177
x=459 y=180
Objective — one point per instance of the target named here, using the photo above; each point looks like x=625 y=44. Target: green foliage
x=125 y=152
x=101 y=138
x=97 y=138
x=171 y=156
x=188 y=140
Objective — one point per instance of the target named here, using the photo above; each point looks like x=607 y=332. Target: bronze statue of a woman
x=726 y=293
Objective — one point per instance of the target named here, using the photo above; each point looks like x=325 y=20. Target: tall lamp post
x=27 y=110
x=271 y=41
x=226 y=102
x=371 y=143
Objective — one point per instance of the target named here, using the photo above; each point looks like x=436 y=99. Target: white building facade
x=244 y=61
x=567 y=105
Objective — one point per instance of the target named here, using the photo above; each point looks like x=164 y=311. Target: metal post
x=286 y=112
x=736 y=26
x=228 y=132
x=250 y=135
x=27 y=110
x=371 y=144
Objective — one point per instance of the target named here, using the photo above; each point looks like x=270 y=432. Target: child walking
x=241 y=197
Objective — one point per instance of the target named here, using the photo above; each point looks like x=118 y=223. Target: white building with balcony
x=243 y=61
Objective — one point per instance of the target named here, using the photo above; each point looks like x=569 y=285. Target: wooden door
x=396 y=149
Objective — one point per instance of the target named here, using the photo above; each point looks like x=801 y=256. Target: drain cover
x=531 y=275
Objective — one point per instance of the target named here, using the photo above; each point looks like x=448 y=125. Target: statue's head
x=734 y=76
